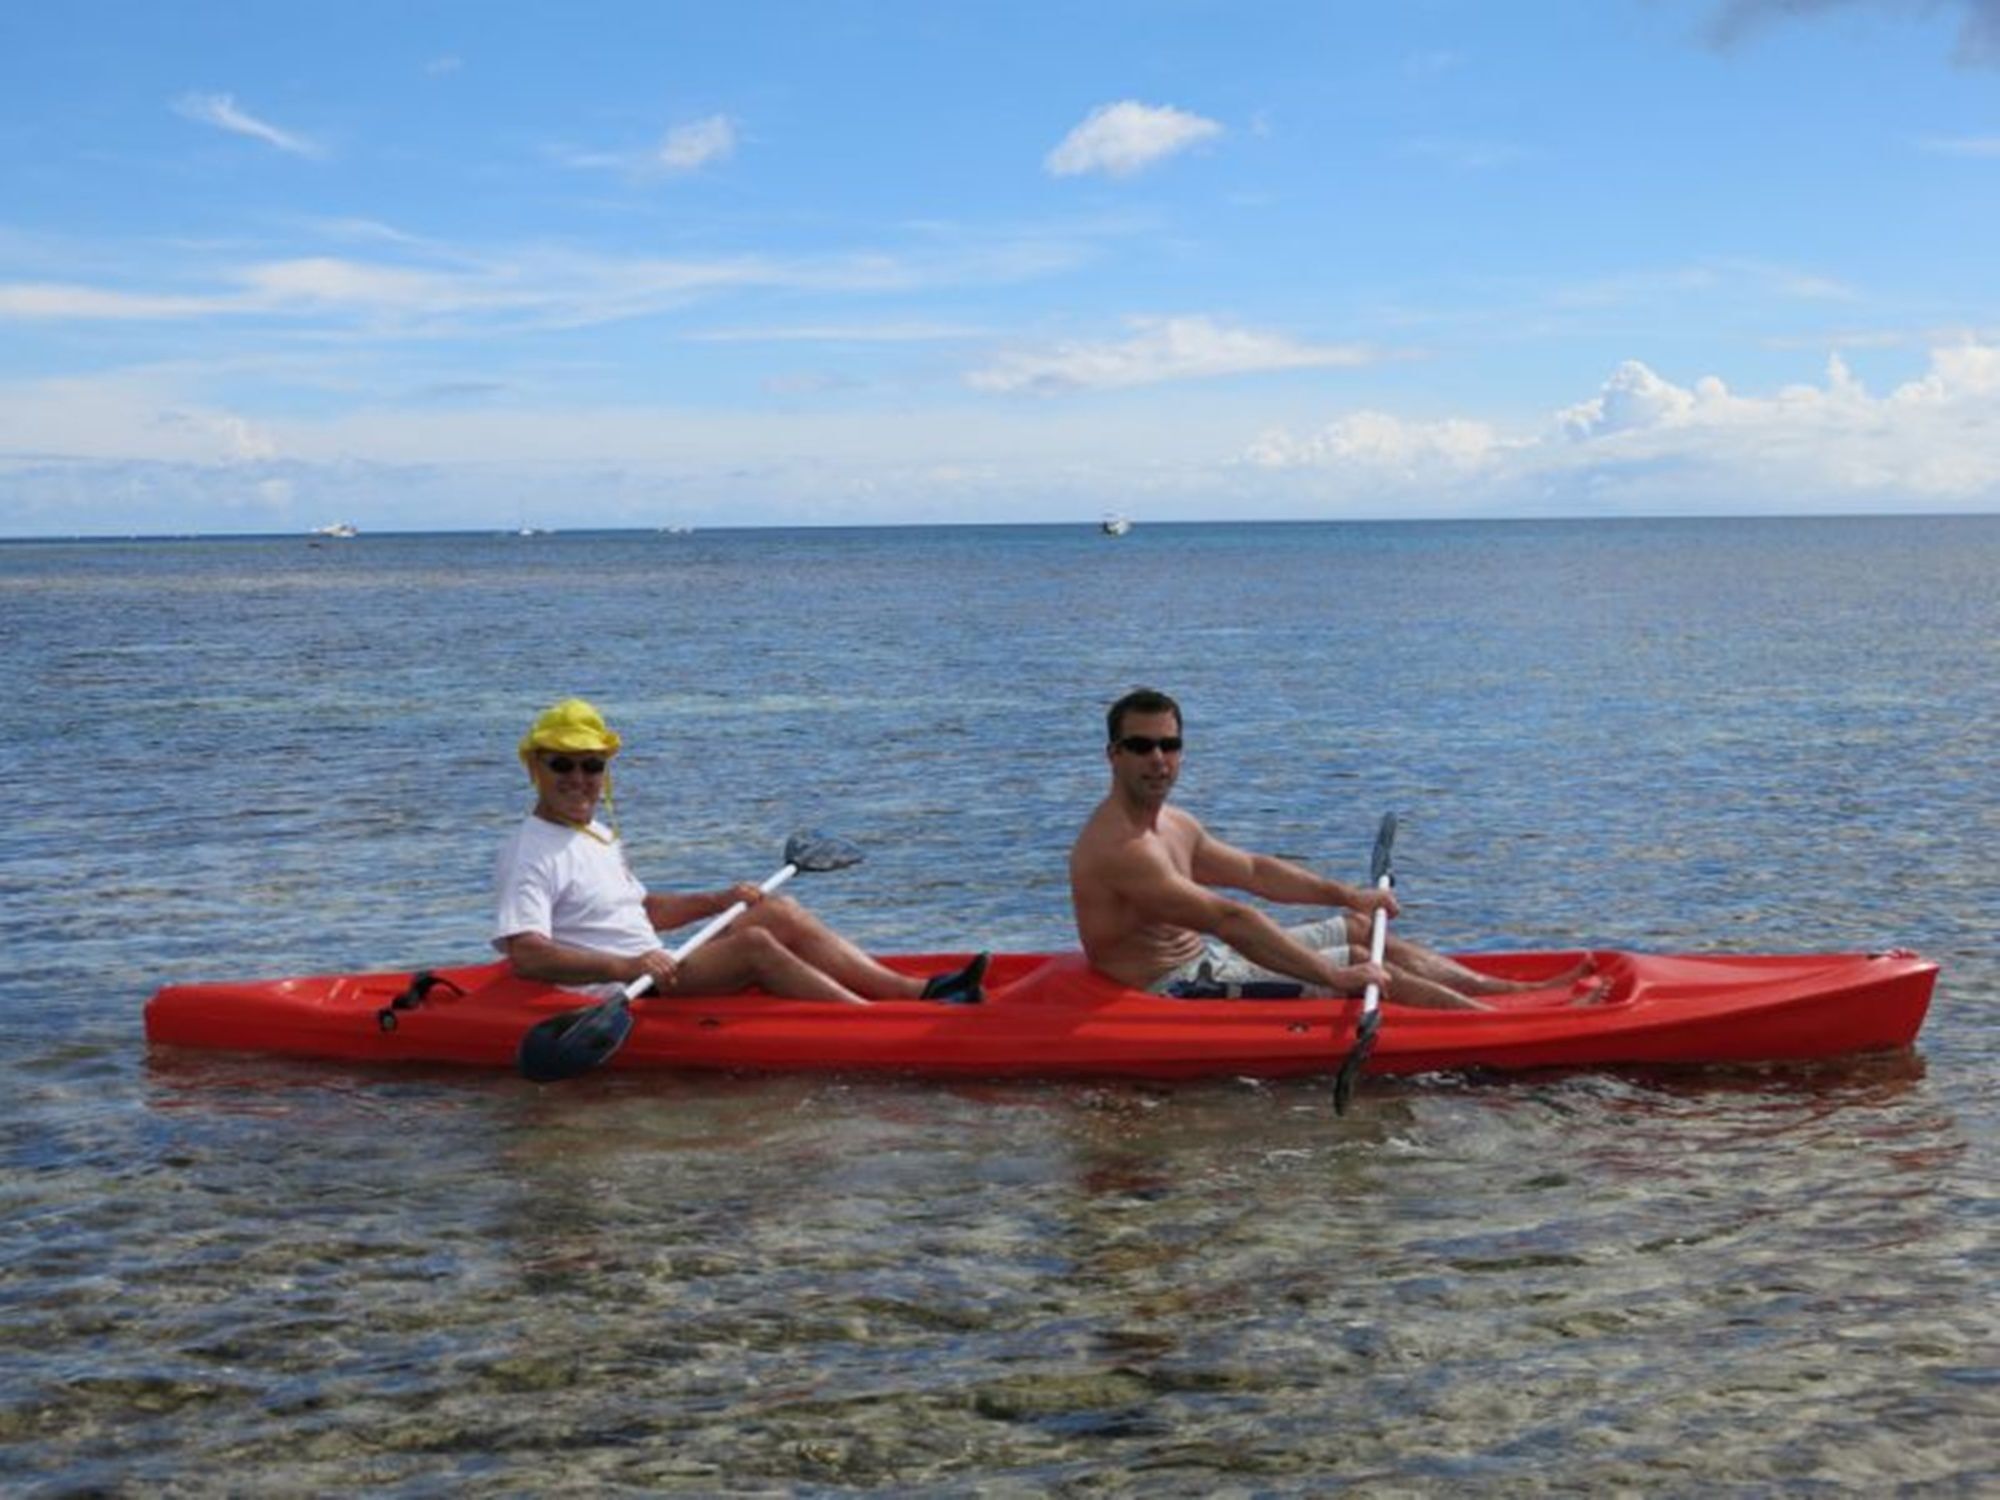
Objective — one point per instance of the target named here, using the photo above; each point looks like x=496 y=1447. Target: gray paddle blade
x=1350 y=1070
x=814 y=852
x=574 y=1042
x=1385 y=841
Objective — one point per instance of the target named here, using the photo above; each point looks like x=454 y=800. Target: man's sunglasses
x=1144 y=744
x=562 y=765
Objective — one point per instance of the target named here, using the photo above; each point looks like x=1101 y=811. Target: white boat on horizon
x=341 y=529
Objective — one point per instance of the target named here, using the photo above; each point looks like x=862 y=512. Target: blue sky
x=264 y=266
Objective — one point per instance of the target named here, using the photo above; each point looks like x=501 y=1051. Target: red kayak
x=1049 y=1015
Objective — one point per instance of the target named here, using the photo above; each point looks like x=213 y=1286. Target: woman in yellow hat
x=569 y=910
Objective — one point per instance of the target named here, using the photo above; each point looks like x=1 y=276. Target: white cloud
x=328 y=280
x=158 y=449
x=1161 y=349
x=1963 y=145
x=1645 y=442
x=1634 y=397
x=685 y=149
x=690 y=147
x=839 y=333
x=1121 y=139
x=141 y=416
x=529 y=287
x=1379 y=441
x=39 y=300
x=221 y=111
x=1958 y=372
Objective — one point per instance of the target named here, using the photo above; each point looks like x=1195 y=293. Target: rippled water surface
x=240 y=758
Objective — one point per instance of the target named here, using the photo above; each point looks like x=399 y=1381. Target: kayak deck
x=1051 y=1015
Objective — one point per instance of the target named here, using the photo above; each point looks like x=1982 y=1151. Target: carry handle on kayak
x=576 y=1041
x=1383 y=876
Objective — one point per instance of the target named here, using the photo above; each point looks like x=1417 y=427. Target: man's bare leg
x=739 y=959
x=810 y=939
x=1424 y=963
x=1406 y=988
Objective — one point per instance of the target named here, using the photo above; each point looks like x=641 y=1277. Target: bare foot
x=1595 y=994
x=1555 y=981
x=1582 y=971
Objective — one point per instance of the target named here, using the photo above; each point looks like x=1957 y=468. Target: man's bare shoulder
x=1103 y=832
x=1111 y=841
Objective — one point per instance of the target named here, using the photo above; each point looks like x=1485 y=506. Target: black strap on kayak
x=1205 y=988
x=421 y=984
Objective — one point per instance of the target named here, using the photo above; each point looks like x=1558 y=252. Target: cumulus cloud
x=1160 y=349
x=179 y=445
x=1121 y=139
x=697 y=144
x=221 y=111
x=1702 y=445
x=1634 y=397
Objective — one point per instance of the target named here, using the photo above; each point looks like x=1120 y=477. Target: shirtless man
x=1143 y=876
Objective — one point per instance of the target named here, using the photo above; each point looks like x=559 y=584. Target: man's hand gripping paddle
x=1371 y=1002
x=576 y=1041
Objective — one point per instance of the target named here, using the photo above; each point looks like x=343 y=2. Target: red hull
x=1050 y=1016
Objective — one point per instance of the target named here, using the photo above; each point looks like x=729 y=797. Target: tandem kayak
x=1052 y=1015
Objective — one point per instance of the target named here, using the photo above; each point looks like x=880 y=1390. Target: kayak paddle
x=1371 y=1000
x=576 y=1041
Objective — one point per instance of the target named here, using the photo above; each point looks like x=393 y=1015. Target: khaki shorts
x=1221 y=973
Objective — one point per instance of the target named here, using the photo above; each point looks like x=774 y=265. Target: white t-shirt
x=571 y=887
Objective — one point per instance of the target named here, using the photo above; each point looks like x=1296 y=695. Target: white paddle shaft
x=1378 y=944
x=709 y=929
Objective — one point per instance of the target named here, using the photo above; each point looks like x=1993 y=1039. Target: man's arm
x=1160 y=894
x=667 y=912
x=534 y=956
x=1217 y=863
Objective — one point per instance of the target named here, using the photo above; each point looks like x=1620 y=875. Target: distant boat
x=1115 y=524
x=335 y=528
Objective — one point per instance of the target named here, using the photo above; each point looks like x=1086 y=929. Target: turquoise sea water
x=251 y=757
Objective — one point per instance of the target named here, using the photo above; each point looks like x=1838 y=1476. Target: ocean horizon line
x=543 y=534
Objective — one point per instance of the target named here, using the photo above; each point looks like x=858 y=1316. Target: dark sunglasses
x=562 y=765
x=1141 y=744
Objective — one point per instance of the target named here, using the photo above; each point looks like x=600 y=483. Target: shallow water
x=256 y=757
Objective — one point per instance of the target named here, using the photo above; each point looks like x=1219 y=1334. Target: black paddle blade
x=815 y=853
x=575 y=1041
x=1350 y=1070
x=1385 y=841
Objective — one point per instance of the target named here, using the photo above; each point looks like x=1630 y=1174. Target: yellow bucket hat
x=572 y=725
